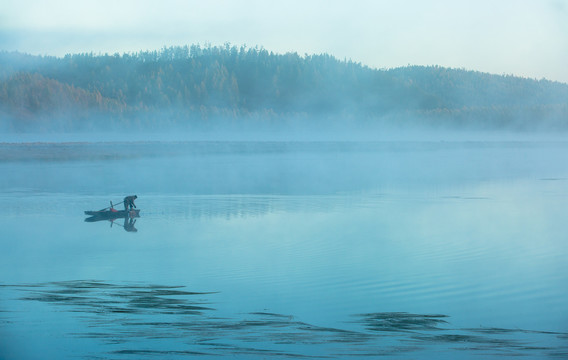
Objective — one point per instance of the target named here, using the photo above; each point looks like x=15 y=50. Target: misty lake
x=276 y=249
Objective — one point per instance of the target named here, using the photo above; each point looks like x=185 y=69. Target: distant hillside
x=199 y=86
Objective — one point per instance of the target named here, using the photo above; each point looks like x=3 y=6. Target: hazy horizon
x=526 y=39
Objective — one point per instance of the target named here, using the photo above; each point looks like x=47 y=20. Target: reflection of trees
x=234 y=206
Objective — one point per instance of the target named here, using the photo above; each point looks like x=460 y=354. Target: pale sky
x=527 y=38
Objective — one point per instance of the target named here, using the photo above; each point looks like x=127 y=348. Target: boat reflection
x=113 y=215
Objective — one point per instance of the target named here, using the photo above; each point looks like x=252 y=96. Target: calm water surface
x=254 y=250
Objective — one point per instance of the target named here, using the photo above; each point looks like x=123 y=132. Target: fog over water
x=415 y=248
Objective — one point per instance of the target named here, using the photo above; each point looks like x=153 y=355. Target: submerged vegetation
x=196 y=87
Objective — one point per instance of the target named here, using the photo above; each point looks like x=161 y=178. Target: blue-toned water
x=255 y=250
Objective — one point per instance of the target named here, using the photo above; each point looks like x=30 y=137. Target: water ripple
x=156 y=321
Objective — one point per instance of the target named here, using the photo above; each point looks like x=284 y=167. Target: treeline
x=198 y=86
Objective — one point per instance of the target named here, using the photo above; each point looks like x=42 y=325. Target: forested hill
x=197 y=86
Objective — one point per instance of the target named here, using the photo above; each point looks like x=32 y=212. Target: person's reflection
x=129 y=224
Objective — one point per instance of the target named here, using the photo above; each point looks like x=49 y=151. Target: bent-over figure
x=129 y=202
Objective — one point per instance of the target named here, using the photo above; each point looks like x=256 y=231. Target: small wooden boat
x=111 y=214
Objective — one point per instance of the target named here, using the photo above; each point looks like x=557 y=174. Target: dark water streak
x=173 y=322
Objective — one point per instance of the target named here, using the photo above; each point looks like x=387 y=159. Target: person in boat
x=129 y=202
